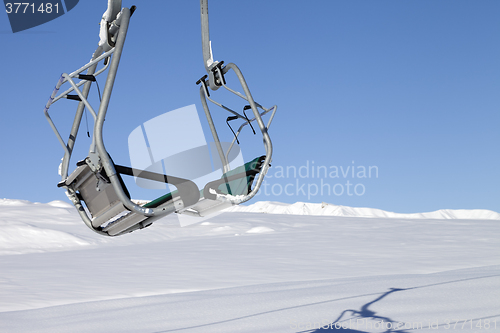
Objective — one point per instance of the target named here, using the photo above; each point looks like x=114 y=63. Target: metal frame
x=99 y=173
x=98 y=158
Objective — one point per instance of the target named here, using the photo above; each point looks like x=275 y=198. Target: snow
x=292 y=269
x=325 y=209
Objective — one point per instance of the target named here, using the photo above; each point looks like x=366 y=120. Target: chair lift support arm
x=98 y=128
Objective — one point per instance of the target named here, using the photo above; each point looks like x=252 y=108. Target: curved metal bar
x=68 y=147
x=98 y=129
x=83 y=214
x=267 y=140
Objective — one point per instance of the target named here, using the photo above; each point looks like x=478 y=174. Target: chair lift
x=96 y=187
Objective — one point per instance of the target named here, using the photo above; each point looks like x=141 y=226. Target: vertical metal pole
x=205 y=34
x=103 y=107
x=98 y=128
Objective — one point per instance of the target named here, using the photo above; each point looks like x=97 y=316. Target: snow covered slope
x=407 y=303
x=247 y=272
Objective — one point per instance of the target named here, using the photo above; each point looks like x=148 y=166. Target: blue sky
x=408 y=88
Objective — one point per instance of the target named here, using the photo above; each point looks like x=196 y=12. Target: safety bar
x=247 y=122
x=83 y=80
x=64 y=78
x=74 y=87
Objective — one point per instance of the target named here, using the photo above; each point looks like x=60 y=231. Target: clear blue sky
x=409 y=87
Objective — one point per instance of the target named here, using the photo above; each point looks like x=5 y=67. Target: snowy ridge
x=326 y=209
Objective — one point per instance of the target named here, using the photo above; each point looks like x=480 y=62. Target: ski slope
x=267 y=267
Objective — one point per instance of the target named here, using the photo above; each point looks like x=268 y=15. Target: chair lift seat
x=240 y=186
x=109 y=214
